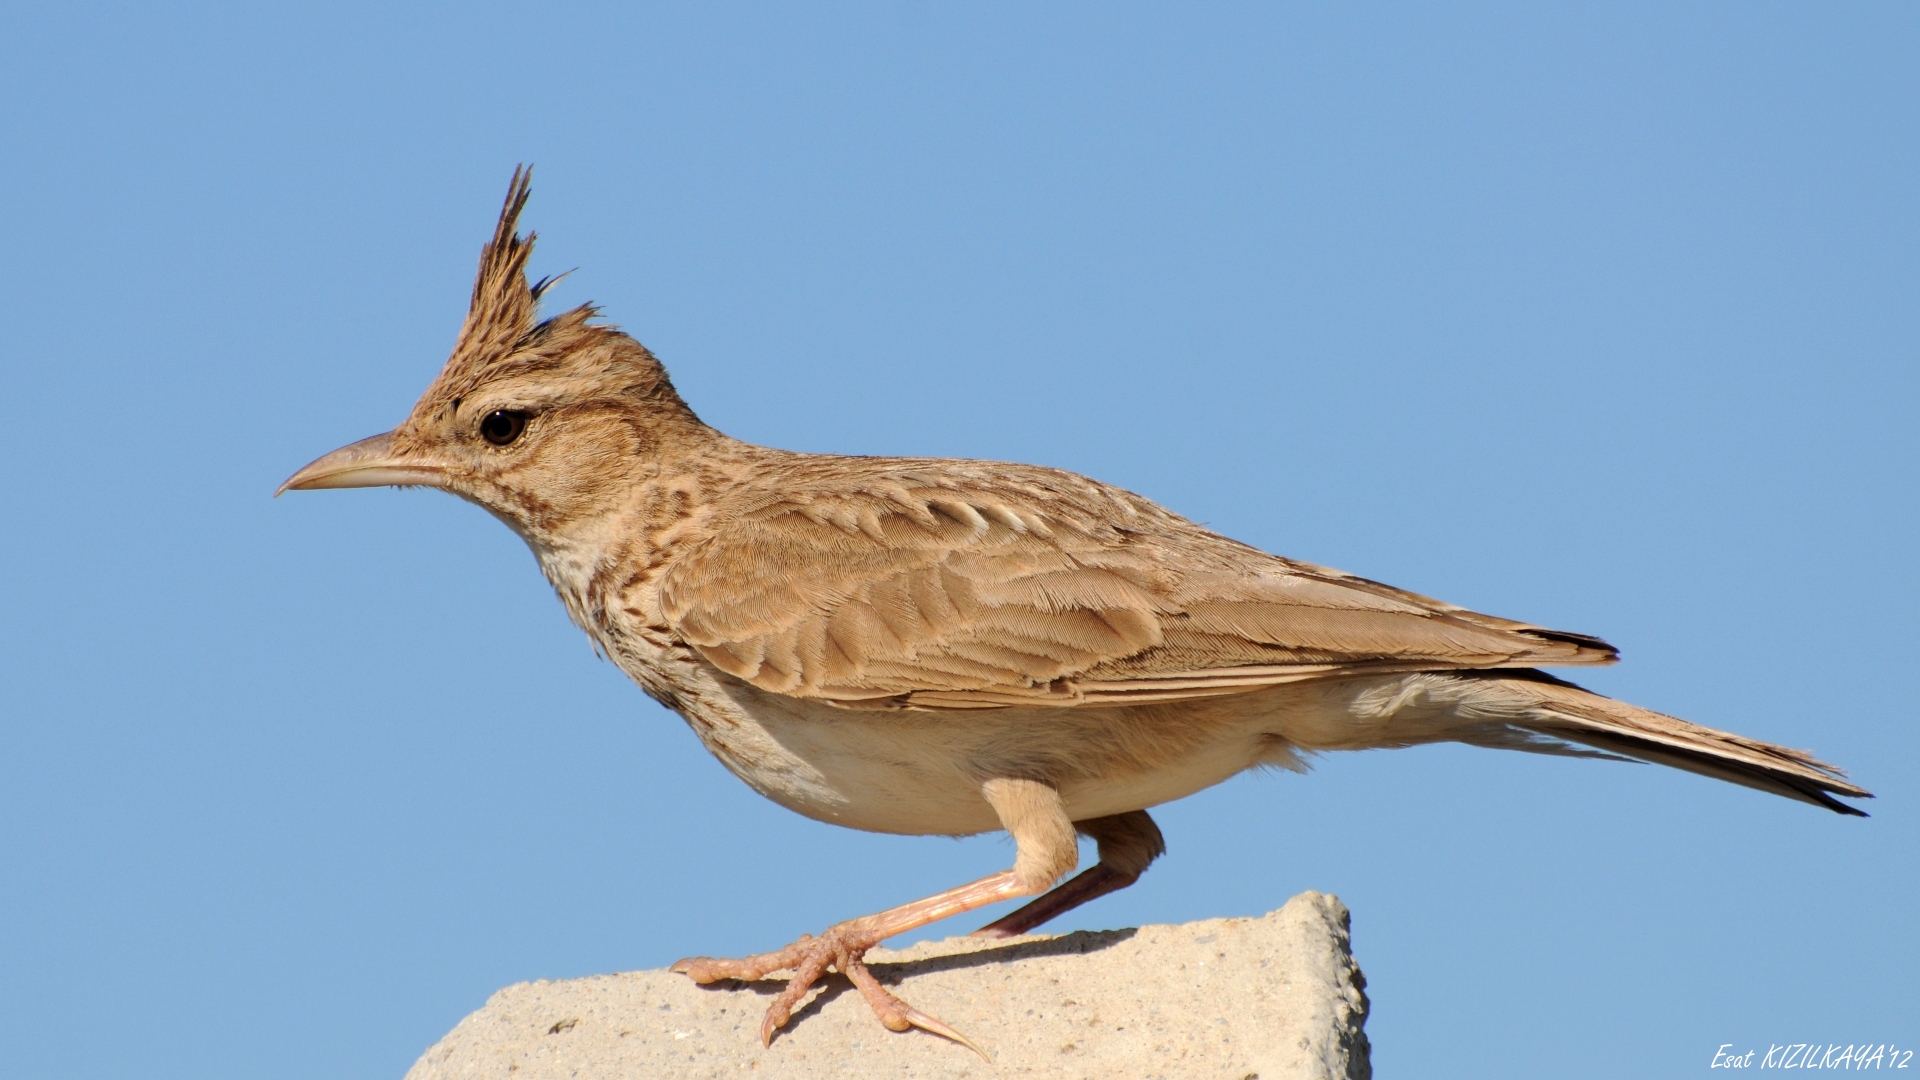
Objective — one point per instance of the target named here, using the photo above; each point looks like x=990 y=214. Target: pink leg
x=1096 y=881
x=1128 y=842
x=842 y=946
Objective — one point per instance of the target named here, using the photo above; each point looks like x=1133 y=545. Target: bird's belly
x=864 y=770
x=920 y=772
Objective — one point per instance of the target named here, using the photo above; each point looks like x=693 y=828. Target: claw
x=927 y=1023
x=897 y=1015
x=768 y=1027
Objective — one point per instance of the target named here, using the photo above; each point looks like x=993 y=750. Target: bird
x=930 y=646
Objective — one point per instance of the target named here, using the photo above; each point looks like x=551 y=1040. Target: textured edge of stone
x=1274 y=997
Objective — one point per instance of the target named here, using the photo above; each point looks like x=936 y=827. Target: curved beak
x=367 y=463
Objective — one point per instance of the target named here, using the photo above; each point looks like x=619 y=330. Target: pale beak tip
x=367 y=463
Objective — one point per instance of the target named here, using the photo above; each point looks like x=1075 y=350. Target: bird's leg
x=1092 y=883
x=1128 y=842
x=1046 y=850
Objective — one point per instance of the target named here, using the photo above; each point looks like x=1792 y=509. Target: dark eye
x=502 y=426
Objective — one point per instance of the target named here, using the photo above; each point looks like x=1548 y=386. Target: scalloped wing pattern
x=1014 y=585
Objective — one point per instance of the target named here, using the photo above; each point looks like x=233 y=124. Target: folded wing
x=991 y=585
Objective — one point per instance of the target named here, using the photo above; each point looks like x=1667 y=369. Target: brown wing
x=971 y=584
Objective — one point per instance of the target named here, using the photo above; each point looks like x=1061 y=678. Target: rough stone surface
x=1274 y=997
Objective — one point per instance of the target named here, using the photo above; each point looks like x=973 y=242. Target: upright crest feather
x=501 y=338
x=503 y=305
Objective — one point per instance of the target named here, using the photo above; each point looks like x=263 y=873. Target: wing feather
x=970 y=585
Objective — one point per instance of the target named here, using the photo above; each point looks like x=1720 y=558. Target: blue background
x=1602 y=317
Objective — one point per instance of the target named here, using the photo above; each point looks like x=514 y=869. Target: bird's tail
x=1559 y=712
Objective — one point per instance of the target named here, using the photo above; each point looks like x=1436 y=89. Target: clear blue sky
x=1598 y=316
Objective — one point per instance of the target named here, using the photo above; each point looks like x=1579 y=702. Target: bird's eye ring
x=502 y=426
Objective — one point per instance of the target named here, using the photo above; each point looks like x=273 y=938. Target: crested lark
x=923 y=646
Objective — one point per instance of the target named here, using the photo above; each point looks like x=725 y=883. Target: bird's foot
x=841 y=948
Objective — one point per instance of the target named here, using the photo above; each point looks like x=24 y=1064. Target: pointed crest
x=503 y=304
x=501 y=339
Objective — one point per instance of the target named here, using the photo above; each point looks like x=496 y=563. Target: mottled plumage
x=957 y=584
x=931 y=646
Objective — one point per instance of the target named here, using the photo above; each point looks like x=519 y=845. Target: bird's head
x=543 y=422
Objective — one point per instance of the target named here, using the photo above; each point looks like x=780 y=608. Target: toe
x=804 y=976
x=706 y=969
x=897 y=1015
